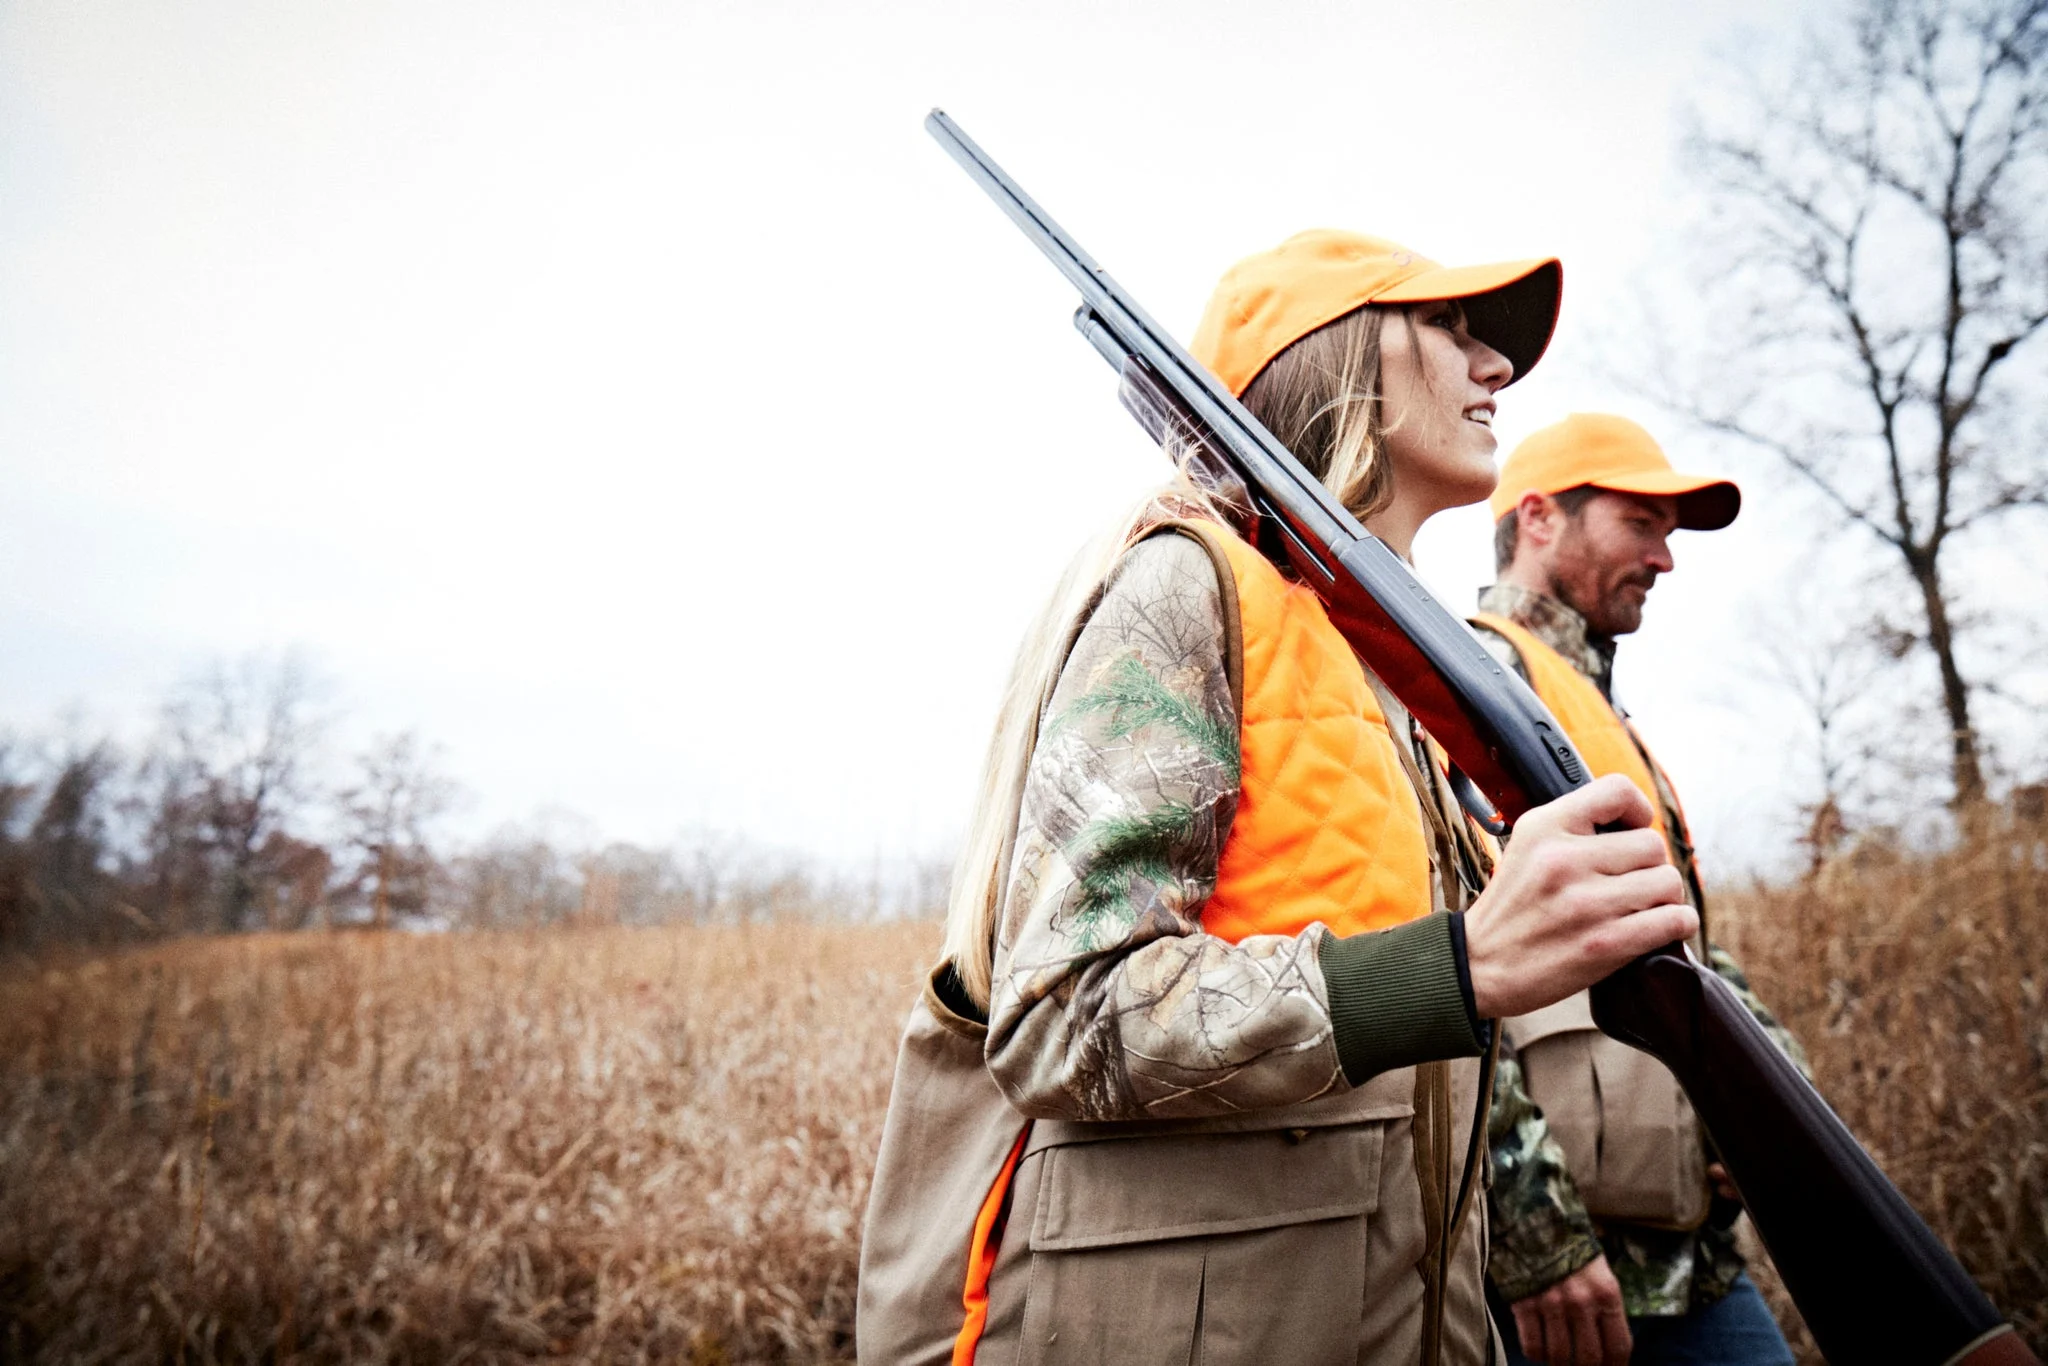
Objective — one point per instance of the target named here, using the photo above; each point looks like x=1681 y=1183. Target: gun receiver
x=1873 y=1282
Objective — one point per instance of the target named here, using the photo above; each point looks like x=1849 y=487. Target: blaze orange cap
x=1610 y=452
x=1268 y=302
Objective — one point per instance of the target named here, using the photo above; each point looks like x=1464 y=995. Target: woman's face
x=1437 y=383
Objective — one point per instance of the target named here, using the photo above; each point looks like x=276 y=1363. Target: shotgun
x=1872 y=1281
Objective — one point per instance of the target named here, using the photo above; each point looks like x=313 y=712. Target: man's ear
x=1536 y=519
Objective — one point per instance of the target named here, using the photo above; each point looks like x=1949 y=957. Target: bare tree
x=517 y=878
x=630 y=885
x=1831 y=671
x=172 y=872
x=388 y=817
x=241 y=743
x=1886 y=214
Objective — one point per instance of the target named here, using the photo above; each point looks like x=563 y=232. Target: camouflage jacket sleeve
x=1540 y=1231
x=1108 y=1001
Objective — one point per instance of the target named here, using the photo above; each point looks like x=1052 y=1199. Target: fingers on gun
x=1612 y=800
x=1639 y=890
x=1627 y=851
x=1638 y=932
x=1599 y=874
x=1621 y=915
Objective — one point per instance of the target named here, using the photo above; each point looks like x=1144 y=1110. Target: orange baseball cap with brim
x=1610 y=452
x=1268 y=302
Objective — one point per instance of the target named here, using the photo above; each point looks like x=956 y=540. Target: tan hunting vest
x=1630 y=1138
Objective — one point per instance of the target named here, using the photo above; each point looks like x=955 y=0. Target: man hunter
x=1613 y=1234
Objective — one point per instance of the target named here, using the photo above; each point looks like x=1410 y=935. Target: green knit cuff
x=1395 y=999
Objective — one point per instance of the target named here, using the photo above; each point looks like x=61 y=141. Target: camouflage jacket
x=1541 y=1231
x=1108 y=1003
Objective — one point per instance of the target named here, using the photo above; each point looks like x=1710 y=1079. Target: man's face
x=1607 y=557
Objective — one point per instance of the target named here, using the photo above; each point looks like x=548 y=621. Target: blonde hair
x=1320 y=396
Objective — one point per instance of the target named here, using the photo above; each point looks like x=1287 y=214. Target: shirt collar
x=1556 y=625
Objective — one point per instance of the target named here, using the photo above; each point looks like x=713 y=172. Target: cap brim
x=1509 y=305
x=1703 y=504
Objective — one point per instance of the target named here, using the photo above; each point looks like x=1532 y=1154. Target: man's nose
x=1659 y=557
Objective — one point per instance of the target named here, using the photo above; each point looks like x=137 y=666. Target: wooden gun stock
x=1872 y=1281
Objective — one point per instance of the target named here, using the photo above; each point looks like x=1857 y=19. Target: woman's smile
x=1437 y=382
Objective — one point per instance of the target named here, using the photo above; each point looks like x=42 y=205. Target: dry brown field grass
x=1916 y=985
x=654 y=1144
x=602 y=1145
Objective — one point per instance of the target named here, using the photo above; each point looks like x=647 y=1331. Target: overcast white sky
x=633 y=399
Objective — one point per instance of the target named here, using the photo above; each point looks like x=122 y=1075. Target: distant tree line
x=226 y=820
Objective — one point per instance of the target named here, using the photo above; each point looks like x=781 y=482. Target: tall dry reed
x=612 y=1145
x=1915 y=982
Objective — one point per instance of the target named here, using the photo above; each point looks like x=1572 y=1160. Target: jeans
x=1735 y=1330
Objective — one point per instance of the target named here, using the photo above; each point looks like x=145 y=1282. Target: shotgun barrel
x=1873 y=1282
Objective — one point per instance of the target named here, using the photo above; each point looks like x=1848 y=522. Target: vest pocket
x=1629 y=1136
x=1202 y=1247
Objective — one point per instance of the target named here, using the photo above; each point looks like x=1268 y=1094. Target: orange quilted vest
x=1328 y=827
x=1606 y=742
